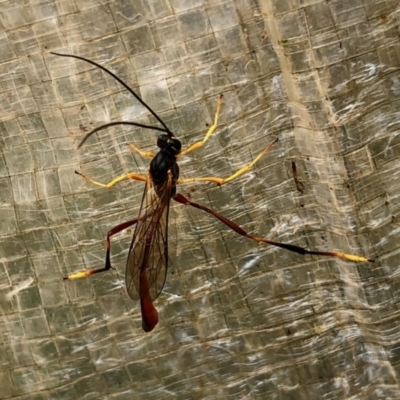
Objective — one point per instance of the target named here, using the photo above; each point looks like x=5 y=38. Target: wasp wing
x=148 y=253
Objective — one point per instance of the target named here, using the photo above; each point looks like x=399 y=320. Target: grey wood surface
x=237 y=320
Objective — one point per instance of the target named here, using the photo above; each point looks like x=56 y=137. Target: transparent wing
x=148 y=253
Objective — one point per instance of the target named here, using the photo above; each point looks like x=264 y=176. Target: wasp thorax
x=171 y=144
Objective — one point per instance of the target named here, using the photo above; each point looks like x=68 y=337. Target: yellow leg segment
x=141 y=152
x=114 y=181
x=241 y=171
x=210 y=131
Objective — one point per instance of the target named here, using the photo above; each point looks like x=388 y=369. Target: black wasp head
x=171 y=144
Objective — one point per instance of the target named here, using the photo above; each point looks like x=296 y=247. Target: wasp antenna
x=99 y=128
x=166 y=129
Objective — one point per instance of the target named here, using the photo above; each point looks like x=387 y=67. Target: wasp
x=149 y=255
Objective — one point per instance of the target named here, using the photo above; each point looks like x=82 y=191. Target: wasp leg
x=296 y=249
x=114 y=181
x=210 y=131
x=141 y=152
x=111 y=232
x=241 y=171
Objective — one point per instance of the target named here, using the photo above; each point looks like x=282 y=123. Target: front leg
x=141 y=152
x=210 y=131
